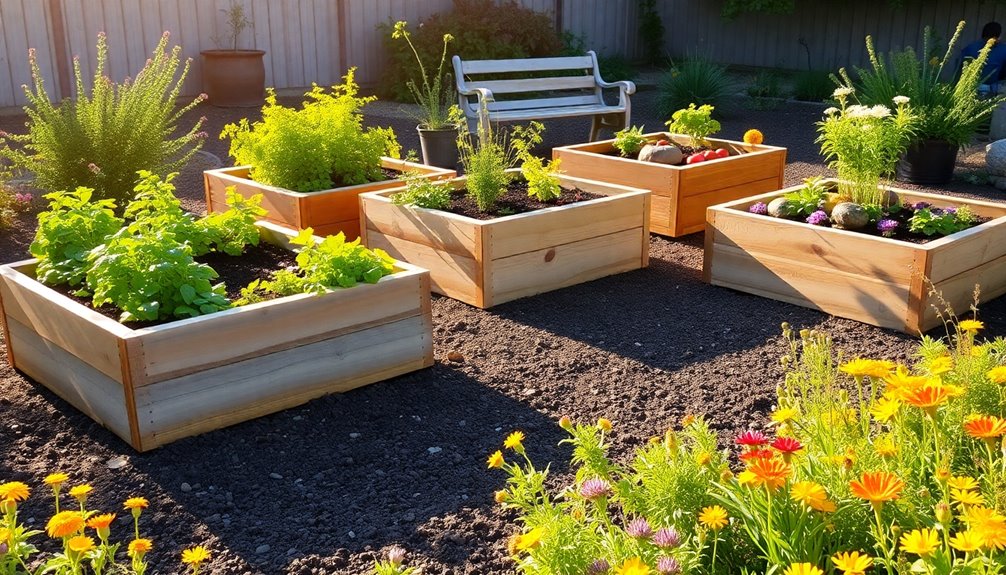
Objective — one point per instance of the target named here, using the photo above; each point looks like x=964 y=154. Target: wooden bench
x=539 y=98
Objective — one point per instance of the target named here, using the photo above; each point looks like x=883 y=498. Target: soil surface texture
x=330 y=486
x=514 y=201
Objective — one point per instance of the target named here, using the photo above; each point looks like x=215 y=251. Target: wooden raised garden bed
x=872 y=279
x=154 y=385
x=328 y=212
x=681 y=194
x=488 y=262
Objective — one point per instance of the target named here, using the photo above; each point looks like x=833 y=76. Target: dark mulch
x=514 y=201
x=326 y=487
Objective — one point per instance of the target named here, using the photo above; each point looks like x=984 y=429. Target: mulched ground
x=329 y=486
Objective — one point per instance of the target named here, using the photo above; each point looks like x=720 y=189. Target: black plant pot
x=928 y=162
x=439 y=147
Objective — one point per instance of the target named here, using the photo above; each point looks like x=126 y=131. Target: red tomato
x=722 y=153
x=663 y=143
x=695 y=158
x=709 y=154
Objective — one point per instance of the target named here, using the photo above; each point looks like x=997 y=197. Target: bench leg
x=614 y=122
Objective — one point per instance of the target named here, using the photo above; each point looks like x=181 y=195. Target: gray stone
x=780 y=208
x=661 y=154
x=186 y=488
x=849 y=216
x=995 y=158
x=262 y=549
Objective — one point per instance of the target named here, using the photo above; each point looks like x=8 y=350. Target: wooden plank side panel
x=853 y=296
x=451 y=274
x=282 y=206
x=970 y=249
x=77 y=382
x=958 y=291
x=552 y=268
x=661 y=210
x=690 y=215
x=265 y=384
x=659 y=179
x=454 y=235
x=193 y=345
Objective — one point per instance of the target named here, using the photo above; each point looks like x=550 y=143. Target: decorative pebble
x=433 y=450
x=275 y=476
x=354 y=435
x=262 y=549
x=186 y=488
x=117 y=462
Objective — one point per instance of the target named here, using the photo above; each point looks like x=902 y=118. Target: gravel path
x=327 y=487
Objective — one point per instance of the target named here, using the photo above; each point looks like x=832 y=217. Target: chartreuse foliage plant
x=85 y=535
x=424 y=193
x=542 y=177
x=321 y=145
x=105 y=134
x=864 y=466
x=629 y=141
x=74 y=224
x=694 y=122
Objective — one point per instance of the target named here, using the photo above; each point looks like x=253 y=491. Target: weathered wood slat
x=526 y=65
x=535 y=84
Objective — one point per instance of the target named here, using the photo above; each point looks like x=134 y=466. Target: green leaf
x=188 y=293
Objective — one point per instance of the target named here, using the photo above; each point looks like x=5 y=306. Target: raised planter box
x=488 y=262
x=154 y=385
x=328 y=212
x=875 y=280
x=681 y=194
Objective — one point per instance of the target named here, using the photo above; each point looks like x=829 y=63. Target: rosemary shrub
x=485 y=163
x=103 y=137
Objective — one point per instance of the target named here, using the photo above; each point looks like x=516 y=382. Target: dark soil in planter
x=328 y=487
x=514 y=201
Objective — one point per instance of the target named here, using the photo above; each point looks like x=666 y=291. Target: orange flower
x=80 y=544
x=604 y=424
x=101 y=521
x=930 y=395
x=985 y=426
x=14 y=491
x=772 y=473
x=753 y=137
x=902 y=379
x=134 y=503
x=64 y=524
x=877 y=487
x=140 y=546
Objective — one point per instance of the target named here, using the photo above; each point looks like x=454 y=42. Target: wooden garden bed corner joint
x=541 y=98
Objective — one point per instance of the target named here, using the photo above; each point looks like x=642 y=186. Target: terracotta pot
x=929 y=162
x=234 y=78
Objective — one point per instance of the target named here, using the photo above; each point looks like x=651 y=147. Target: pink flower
x=787 y=445
x=666 y=538
x=593 y=489
x=94 y=168
x=751 y=438
x=639 y=528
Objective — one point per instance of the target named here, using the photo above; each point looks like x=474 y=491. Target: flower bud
x=396 y=555
x=566 y=423
x=943 y=514
x=501 y=496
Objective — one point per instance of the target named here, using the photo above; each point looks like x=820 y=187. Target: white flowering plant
x=863 y=143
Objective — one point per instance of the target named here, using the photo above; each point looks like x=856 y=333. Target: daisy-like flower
x=639 y=528
x=842 y=92
x=860 y=367
x=787 y=446
x=940 y=365
x=80 y=492
x=985 y=426
x=594 y=489
x=140 y=547
x=101 y=524
x=771 y=473
x=495 y=461
x=853 y=563
x=997 y=374
x=963 y=482
x=14 y=491
x=877 y=487
x=970 y=325
x=65 y=524
x=966 y=498
x=812 y=495
x=515 y=441
x=885 y=408
x=885 y=447
x=901 y=100
x=135 y=504
x=55 y=480
x=714 y=517
x=668 y=566
x=930 y=396
x=604 y=424
x=901 y=378
x=921 y=542
x=667 y=538
x=967 y=541
x=529 y=540
x=831 y=111
x=803 y=569
x=784 y=415
x=751 y=438
x=80 y=544
x=633 y=566
x=195 y=556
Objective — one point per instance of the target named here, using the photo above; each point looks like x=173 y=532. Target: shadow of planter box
x=155 y=385
x=328 y=211
x=487 y=262
x=875 y=280
x=681 y=194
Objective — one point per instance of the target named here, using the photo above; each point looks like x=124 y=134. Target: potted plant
x=436 y=132
x=673 y=166
x=233 y=77
x=345 y=316
x=500 y=233
x=311 y=163
x=949 y=112
x=853 y=247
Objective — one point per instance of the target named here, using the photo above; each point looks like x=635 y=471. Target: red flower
x=751 y=438
x=752 y=454
x=787 y=445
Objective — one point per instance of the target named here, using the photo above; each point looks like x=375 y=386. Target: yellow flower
x=513 y=441
x=941 y=365
x=970 y=325
x=495 y=460
x=812 y=495
x=922 y=542
x=135 y=503
x=997 y=374
x=963 y=482
x=753 y=137
x=65 y=524
x=900 y=379
x=966 y=541
x=885 y=408
x=852 y=563
x=529 y=540
x=885 y=446
x=195 y=556
x=784 y=414
x=80 y=544
x=803 y=569
x=714 y=517
x=634 y=566
x=79 y=492
x=965 y=497
x=140 y=547
x=604 y=424
x=54 y=480
x=989 y=524
x=859 y=367
x=14 y=491
x=501 y=496
x=703 y=458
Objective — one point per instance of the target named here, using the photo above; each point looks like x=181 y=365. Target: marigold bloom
x=714 y=517
x=921 y=542
x=195 y=555
x=859 y=367
x=14 y=491
x=514 y=441
x=970 y=325
x=784 y=414
x=101 y=521
x=80 y=544
x=55 y=479
x=751 y=439
x=963 y=482
x=604 y=424
x=900 y=378
x=993 y=536
x=495 y=460
x=79 y=492
x=771 y=473
x=140 y=547
x=941 y=365
x=803 y=569
x=930 y=396
x=965 y=497
x=753 y=137
x=633 y=566
x=997 y=374
x=812 y=495
x=501 y=496
x=985 y=426
x=134 y=503
x=852 y=563
x=64 y=524
x=877 y=487
x=966 y=541
x=529 y=540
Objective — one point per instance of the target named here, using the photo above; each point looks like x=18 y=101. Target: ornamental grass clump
x=103 y=136
x=317 y=147
x=864 y=465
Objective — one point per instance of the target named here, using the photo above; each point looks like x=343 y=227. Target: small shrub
x=696 y=123
x=542 y=177
x=103 y=137
x=485 y=164
x=694 y=80
x=316 y=147
x=766 y=84
x=812 y=86
x=629 y=141
x=424 y=193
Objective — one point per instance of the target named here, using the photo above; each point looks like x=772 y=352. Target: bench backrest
x=578 y=87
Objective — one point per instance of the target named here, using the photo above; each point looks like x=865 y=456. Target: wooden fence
x=317 y=40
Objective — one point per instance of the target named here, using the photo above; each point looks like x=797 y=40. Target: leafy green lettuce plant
x=316 y=147
x=425 y=193
x=74 y=224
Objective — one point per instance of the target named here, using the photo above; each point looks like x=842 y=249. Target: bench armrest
x=625 y=87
